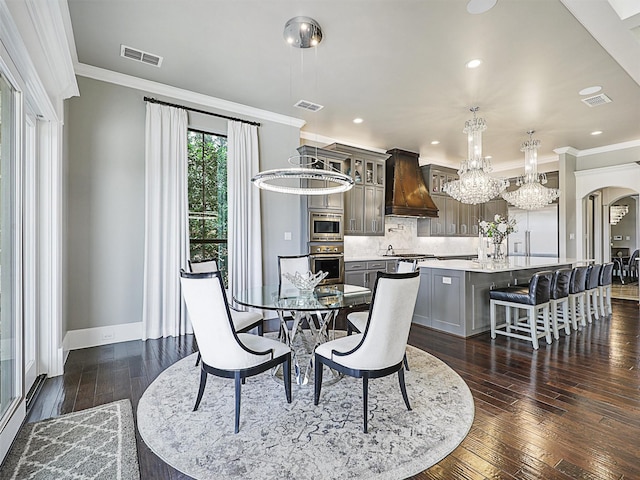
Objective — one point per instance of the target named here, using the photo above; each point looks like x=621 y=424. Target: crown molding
x=25 y=75
x=570 y=150
x=625 y=168
x=314 y=137
x=597 y=150
x=148 y=86
x=50 y=26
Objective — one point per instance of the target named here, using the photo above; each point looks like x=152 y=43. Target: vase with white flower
x=497 y=230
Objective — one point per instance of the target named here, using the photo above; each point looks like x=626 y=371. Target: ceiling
x=399 y=65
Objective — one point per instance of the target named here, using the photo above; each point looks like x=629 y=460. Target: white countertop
x=513 y=263
x=373 y=257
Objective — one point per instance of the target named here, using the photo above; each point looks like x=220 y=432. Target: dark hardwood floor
x=571 y=410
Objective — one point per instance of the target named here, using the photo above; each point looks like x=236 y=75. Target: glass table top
x=324 y=297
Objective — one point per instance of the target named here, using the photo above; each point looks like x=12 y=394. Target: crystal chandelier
x=616 y=212
x=303 y=32
x=474 y=184
x=531 y=194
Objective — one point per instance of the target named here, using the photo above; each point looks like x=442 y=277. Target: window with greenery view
x=207 y=177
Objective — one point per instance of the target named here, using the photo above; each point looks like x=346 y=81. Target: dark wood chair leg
x=203 y=383
x=287 y=377
x=238 y=391
x=403 y=388
x=317 y=379
x=365 y=399
x=349 y=328
x=406 y=363
x=260 y=329
x=198 y=359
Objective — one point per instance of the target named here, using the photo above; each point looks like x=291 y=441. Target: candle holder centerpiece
x=497 y=230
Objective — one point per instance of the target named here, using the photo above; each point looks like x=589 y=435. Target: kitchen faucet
x=390 y=250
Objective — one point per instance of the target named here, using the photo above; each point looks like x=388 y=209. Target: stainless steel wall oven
x=328 y=258
x=326 y=227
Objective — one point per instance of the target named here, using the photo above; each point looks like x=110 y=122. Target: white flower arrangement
x=499 y=228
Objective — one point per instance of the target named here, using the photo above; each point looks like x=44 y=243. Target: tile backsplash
x=401 y=233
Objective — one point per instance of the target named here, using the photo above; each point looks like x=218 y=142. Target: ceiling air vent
x=597 y=100
x=307 y=105
x=140 y=56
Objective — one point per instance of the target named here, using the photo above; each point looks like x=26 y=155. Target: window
x=207 y=178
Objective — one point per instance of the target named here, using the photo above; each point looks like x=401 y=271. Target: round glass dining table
x=305 y=318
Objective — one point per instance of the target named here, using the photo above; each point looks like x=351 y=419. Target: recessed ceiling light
x=435 y=142
x=597 y=132
x=475 y=63
x=480 y=6
x=357 y=120
x=590 y=90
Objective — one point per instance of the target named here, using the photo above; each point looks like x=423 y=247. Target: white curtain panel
x=244 y=236
x=166 y=247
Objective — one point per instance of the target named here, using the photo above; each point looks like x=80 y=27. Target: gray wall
x=105 y=202
x=105 y=216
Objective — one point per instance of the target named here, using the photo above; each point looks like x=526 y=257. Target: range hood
x=406 y=193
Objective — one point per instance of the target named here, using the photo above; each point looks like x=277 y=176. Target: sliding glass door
x=10 y=355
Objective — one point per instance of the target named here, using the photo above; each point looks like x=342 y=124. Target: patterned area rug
x=298 y=440
x=98 y=444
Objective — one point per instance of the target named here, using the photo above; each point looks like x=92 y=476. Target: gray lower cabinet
x=457 y=301
x=364 y=273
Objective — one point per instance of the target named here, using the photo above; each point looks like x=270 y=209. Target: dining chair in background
x=226 y=353
x=380 y=349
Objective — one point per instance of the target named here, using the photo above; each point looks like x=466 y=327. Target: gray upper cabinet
x=364 y=203
x=326 y=160
x=454 y=218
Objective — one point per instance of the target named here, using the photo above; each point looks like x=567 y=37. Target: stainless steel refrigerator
x=537 y=234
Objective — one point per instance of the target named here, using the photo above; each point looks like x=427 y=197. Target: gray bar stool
x=559 y=301
x=604 y=287
x=591 y=291
x=534 y=298
x=577 y=286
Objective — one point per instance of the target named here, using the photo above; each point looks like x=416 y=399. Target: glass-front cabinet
x=325 y=160
x=364 y=203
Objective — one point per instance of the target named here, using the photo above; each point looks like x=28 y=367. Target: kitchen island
x=454 y=294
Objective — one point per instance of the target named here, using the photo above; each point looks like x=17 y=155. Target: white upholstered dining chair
x=226 y=353
x=379 y=350
x=357 y=321
x=243 y=321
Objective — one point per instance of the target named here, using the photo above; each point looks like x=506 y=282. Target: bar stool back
x=534 y=298
x=559 y=300
x=604 y=287
x=591 y=291
x=577 y=286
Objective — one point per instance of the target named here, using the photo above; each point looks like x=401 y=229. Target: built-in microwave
x=325 y=227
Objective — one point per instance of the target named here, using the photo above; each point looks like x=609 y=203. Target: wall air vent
x=597 y=100
x=307 y=105
x=140 y=56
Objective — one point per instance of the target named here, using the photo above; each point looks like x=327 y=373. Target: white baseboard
x=92 y=337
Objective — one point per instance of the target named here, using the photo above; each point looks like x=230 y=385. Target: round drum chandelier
x=301 y=179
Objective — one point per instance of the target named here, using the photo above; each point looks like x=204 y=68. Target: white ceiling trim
x=89 y=71
x=29 y=79
x=314 y=137
x=597 y=150
x=50 y=27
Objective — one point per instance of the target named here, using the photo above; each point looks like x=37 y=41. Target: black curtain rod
x=160 y=102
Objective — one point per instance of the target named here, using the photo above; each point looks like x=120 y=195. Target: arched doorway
x=596 y=191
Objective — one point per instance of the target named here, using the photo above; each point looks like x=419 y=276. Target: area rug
x=281 y=441
x=98 y=444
